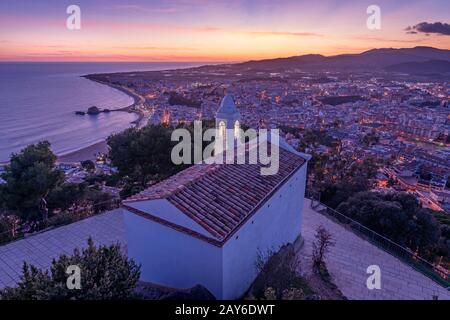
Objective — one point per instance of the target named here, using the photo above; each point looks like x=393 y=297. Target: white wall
x=171 y=258
x=174 y=259
x=274 y=224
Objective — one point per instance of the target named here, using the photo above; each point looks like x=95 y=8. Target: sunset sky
x=200 y=30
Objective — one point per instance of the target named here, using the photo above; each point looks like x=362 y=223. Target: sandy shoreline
x=90 y=152
x=87 y=153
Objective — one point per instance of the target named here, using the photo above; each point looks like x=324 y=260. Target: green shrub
x=106 y=273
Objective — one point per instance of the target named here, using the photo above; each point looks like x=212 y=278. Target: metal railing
x=435 y=272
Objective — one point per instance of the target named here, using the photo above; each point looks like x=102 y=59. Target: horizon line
x=210 y=61
x=112 y=61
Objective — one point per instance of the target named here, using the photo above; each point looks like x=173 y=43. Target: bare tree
x=320 y=247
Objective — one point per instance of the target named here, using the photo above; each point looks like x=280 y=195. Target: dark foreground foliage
x=106 y=273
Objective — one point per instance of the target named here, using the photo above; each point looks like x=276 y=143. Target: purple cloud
x=428 y=28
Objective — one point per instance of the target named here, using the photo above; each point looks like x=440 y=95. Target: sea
x=38 y=102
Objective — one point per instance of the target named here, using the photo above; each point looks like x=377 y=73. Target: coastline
x=85 y=153
x=89 y=152
x=137 y=99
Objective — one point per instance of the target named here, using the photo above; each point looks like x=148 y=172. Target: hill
x=375 y=59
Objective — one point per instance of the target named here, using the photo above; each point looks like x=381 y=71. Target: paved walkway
x=40 y=249
x=347 y=260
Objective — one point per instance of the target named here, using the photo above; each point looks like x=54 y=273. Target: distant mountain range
x=427 y=67
x=418 y=60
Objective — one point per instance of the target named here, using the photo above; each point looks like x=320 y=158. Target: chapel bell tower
x=228 y=121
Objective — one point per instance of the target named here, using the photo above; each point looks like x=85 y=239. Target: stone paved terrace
x=41 y=248
x=347 y=260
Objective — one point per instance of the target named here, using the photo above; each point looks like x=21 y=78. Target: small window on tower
x=237 y=128
x=222 y=128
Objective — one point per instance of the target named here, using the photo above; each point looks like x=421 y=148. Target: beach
x=87 y=153
x=38 y=101
x=90 y=152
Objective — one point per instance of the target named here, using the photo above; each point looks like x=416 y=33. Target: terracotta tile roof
x=220 y=197
x=166 y=187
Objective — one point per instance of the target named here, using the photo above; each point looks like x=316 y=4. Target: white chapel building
x=208 y=223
